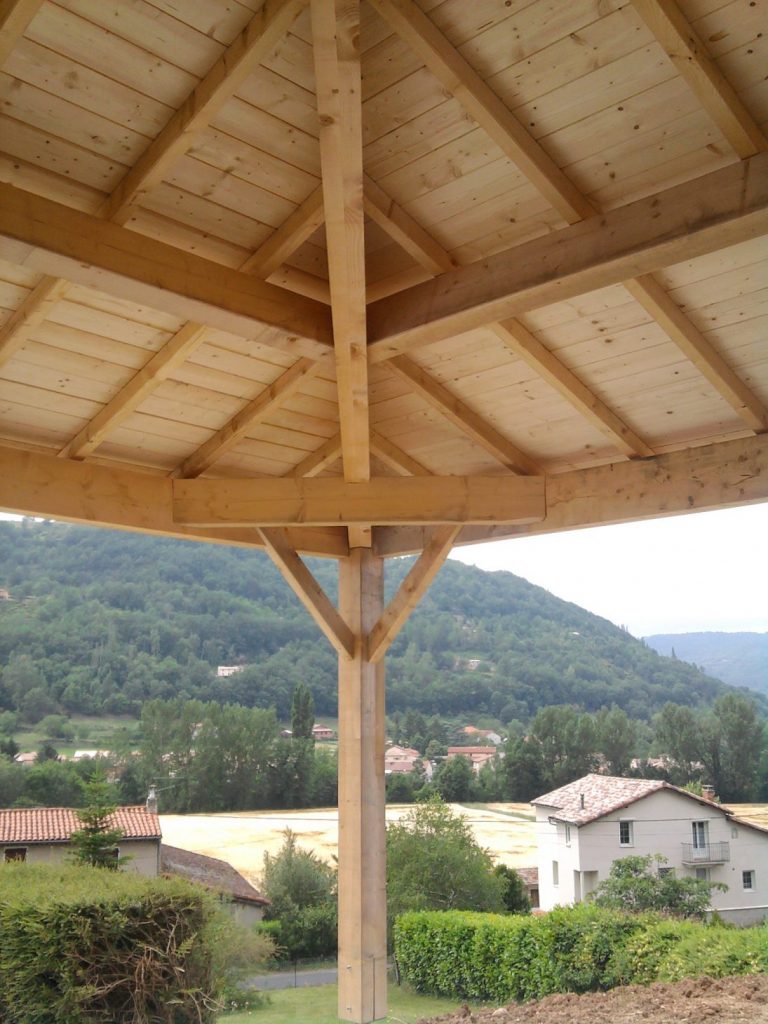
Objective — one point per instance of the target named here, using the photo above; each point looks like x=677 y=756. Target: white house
x=582 y=828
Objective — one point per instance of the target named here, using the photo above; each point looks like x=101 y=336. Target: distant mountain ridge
x=740 y=659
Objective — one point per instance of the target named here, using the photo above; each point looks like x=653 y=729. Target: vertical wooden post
x=362 y=868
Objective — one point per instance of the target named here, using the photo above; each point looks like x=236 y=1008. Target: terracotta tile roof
x=56 y=824
x=529 y=875
x=467 y=751
x=210 y=872
x=599 y=795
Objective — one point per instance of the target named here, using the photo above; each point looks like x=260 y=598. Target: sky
x=705 y=571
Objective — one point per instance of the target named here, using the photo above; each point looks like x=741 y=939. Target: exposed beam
x=723 y=475
x=394 y=457
x=15 y=16
x=459 y=413
x=719 y=209
x=83 y=492
x=148 y=378
x=411 y=590
x=484 y=106
x=336 y=44
x=318 y=460
x=78 y=247
x=308 y=590
x=404 y=230
x=256 y=411
x=707 y=360
x=328 y=501
x=254 y=43
x=689 y=55
x=519 y=340
x=291 y=234
x=35 y=309
x=299 y=281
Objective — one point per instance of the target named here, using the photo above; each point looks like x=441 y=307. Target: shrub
x=83 y=945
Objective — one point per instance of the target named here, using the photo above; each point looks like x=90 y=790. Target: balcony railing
x=712 y=853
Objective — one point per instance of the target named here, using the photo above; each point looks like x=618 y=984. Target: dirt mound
x=721 y=1000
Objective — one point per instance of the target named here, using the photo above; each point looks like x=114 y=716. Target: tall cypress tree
x=302 y=713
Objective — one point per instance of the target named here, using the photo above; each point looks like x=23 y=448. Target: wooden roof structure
x=366 y=277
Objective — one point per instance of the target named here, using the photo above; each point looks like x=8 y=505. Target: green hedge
x=83 y=945
x=575 y=949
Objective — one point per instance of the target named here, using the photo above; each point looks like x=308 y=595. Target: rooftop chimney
x=708 y=792
x=152 y=800
x=581 y=800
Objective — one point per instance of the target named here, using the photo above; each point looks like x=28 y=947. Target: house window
x=555 y=873
x=663 y=872
x=625 y=833
x=748 y=880
x=567 y=835
x=700 y=838
x=15 y=853
x=702 y=874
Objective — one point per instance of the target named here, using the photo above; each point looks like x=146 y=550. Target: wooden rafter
x=327 y=501
x=484 y=106
x=403 y=229
x=148 y=378
x=411 y=590
x=15 y=16
x=336 y=46
x=689 y=55
x=78 y=247
x=256 y=411
x=33 y=311
x=394 y=457
x=292 y=233
x=256 y=41
x=308 y=590
x=318 y=460
x=95 y=495
x=460 y=414
x=719 y=209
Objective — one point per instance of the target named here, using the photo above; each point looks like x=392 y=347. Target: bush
x=82 y=945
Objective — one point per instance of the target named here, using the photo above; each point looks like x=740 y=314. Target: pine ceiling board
x=18 y=276
x=257 y=347
x=273 y=434
x=219 y=382
x=84 y=343
x=222 y=20
x=735 y=256
x=186 y=403
x=284 y=100
x=627 y=343
x=686 y=167
x=37 y=425
x=386 y=64
x=187 y=238
x=67 y=351
x=745 y=66
x=88 y=89
x=740 y=281
x=686 y=406
x=11 y=393
x=513 y=232
x=157 y=434
x=262 y=130
x=253 y=370
x=400 y=103
x=204 y=216
x=81 y=40
x=729 y=26
x=436 y=127
x=139 y=457
x=100 y=323
x=385 y=262
x=238 y=464
x=592 y=331
x=730 y=311
x=306 y=422
x=32 y=366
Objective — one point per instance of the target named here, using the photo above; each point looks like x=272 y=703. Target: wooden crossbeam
x=707 y=360
x=96 y=495
x=722 y=475
x=256 y=411
x=318 y=460
x=292 y=233
x=148 y=378
x=462 y=416
x=33 y=311
x=336 y=46
x=328 y=501
x=689 y=55
x=78 y=247
x=484 y=106
x=308 y=590
x=394 y=457
x=15 y=16
x=719 y=209
x=411 y=591
x=253 y=44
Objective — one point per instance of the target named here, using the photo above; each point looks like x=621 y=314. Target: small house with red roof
x=582 y=828
x=43 y=835
x=245 y=903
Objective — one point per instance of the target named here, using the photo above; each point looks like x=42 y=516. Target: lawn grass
x=317 y=1005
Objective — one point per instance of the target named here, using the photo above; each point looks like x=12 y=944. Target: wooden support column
x=362 y=866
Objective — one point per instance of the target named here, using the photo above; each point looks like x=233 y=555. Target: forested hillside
x=737 y=658
x=100 y=621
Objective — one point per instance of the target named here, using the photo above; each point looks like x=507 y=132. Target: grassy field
x=91 y=733
x=318 y=1006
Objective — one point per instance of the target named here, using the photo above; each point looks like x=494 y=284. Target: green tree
x=523 y=770
x=616 y=736
x=515 y=895
x=96 y=842
x=435 y=863
x=302 y=713
x=454 y=779
x=567 y=742
x=635 y=884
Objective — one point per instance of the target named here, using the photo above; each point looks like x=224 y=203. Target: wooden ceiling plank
x=519 y=340
x=33 y=311
x=84 y=249
x=264 y=405
x=37 y=484
x=15 y=16
x=336 y=47
x=254 y=43
x=719 y=209
x=404 y=230
x=411 y=591
x=466 y=419
x=394 y=457
x=291 y=234
x=689 y=55
x=329 y=501
x=318 y=460
x=484 y=106
x=149 y=377
x=657 y=303
x=308 y=590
